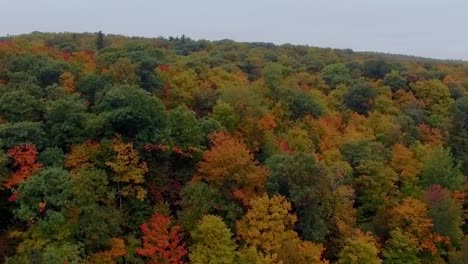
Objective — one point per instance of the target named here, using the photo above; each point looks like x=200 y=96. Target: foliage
x=212 y=242
x=100 y=133
x=162 y=243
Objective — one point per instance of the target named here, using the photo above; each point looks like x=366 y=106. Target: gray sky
x=430 y=28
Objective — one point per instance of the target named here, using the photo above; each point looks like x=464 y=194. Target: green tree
x=439 y=167
x=362 y=249
x=401 y=249
x=212 y=242
x=360 y=98
x=395 y=81
x=335 y=74
x=132 y=112
x=446 y=213
x=185 y=131
x=303 y=180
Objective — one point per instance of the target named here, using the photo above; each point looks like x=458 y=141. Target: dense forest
x=119 y=149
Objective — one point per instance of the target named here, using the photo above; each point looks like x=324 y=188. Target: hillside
x=118 y=149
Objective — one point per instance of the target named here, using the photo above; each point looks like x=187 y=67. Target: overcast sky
x=430 y=28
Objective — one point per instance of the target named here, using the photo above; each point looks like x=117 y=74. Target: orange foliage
x=82 y=156
x=24 y=157
x=162 y=243
x=429 y=135
x=267 y=122
x=67 y=81
x=405 y=163
x=410 y=216
x=230 y=165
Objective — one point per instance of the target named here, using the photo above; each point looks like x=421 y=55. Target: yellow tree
x=267 y=230
x=129 y=170
x=230 y=166
x=67 y=81
x=405 y=164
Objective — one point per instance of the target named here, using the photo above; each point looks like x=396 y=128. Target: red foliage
x=25 y=164
x=12 y=198
x=161 y=242
x=163 y=67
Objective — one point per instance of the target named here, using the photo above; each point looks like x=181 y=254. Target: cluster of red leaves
x=24 y=157
x=162 y=243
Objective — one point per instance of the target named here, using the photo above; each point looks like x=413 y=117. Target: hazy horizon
x=428 y=28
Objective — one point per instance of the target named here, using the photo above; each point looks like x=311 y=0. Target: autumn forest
x=118 y=149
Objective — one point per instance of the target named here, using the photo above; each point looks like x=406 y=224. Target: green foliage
x=360 y=250
x=335 y=74
x=19 y=106
x=305 y=183
x=184 y=128
x=66 y=121
x=400 y=249
x=12 y=134
x=359 y=98
x=52 y=157
x=201 y=199
x=302 y=104
x=212 y=242
x=47 y=191
x=395 y=81
x=439 y=167
x=132 y=112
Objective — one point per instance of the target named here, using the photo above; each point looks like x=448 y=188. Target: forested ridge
x=119 y=149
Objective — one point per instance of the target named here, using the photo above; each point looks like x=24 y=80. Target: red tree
x=162 y=243
x=24 y=157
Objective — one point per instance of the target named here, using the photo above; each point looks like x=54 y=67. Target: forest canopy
x=118 y=149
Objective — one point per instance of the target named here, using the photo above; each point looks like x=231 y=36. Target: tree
x=226 y=115
x=97 y=221
x=200 y=199
x=212 y=242
x=131 y=112
x=458 y=137
x=445 y=212
x=410 y=216
x=267 y=226
x=376 y=69
x=129 y=170
x=162 y=243
x=230 y=166
x=123 y=71
x=439 y=167
x=12 y=134
x=25 y=164
x=359 y=98
x=375 y=187
x=405 y=164
x=395 y=81
x=303 y=180
x=335 y=74
x=48 y=191
x=100 y=40
x=185 y=131
x=19 y=105
x=301 y=104
x=401 y=249
x=82 y=156
x=66 y=121
x=362 y=249
x=67 y=81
